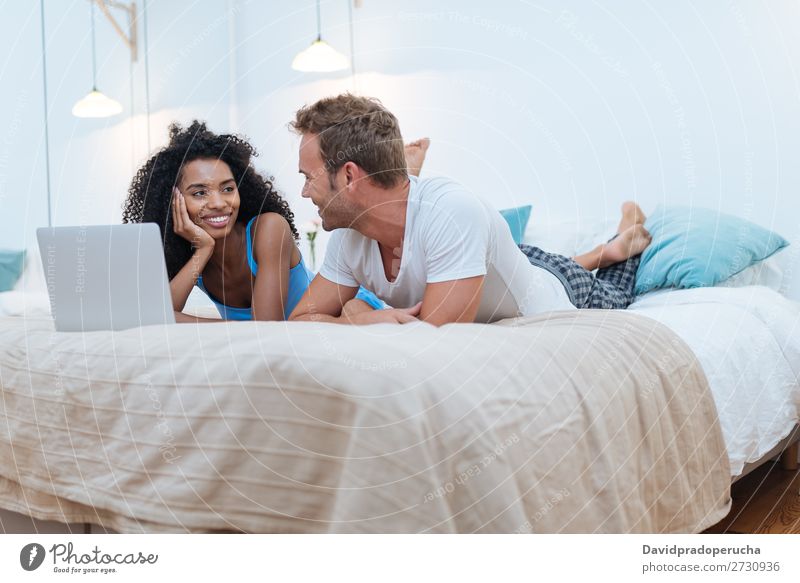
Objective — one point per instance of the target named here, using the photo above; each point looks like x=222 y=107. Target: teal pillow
x=517 y=219
x=11 y=264
x=698 y=247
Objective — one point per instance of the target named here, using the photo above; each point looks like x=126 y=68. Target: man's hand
x=393 y=316
x=323 y=302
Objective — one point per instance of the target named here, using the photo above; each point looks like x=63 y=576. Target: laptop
x=105 y=277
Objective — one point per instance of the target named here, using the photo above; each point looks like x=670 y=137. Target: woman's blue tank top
x=300 y=278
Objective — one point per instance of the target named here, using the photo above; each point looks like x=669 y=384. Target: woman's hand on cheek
x=183 y=226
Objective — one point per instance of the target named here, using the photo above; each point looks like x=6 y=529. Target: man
x=429 y=247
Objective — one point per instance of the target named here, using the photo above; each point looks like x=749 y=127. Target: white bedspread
x=748 y=341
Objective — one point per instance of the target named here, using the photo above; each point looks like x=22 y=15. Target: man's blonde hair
x=356 y=129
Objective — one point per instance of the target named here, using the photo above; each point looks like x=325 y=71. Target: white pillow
x=32 y=279
x=781 y=272
x=569 y=237
x=28 y=304
x=29 y=296
x=768 y=273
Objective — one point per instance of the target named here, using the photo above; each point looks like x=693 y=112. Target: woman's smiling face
x=211 y=195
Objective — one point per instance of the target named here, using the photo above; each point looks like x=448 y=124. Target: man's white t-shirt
x=450 y=234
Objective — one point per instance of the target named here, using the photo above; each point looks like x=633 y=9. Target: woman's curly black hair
x=150 y=193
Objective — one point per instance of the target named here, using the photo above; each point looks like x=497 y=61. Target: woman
x=224 y=226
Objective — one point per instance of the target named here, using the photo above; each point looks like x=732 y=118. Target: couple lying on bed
x=428 y=248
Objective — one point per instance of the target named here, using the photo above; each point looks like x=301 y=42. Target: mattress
x=580 y=421
x=748 y=342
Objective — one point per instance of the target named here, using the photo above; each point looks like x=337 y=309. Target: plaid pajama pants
x=609 y=288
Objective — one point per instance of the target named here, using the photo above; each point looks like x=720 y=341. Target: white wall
x=92 y=161
x=571 y=105
x=574 y=106
x=22 y=170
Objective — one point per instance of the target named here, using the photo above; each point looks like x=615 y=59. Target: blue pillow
x=11 y=264
x=517 y=219
x=698 y=247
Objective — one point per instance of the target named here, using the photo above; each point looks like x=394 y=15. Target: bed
x=590 y=421
x=748 y=340
x=584 y=421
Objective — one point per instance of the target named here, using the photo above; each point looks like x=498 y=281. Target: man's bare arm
x=452 y=301
x=324 y=301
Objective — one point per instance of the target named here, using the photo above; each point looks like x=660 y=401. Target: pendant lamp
x=95 y=104
x=320 y=57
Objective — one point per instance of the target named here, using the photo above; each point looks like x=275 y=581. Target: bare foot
x=629 y=243
x=415 y=155
x=631 y=215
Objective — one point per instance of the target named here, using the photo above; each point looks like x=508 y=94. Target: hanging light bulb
x=95 y=104
x=320 y=57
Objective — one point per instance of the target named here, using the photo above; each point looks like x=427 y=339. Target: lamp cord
x=94 y=52
x=146 y=77
x=319 y=25
x=130 y=115
x=46 y=120
x=352 y=45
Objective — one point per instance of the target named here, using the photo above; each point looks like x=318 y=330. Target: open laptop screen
x=105 y=277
